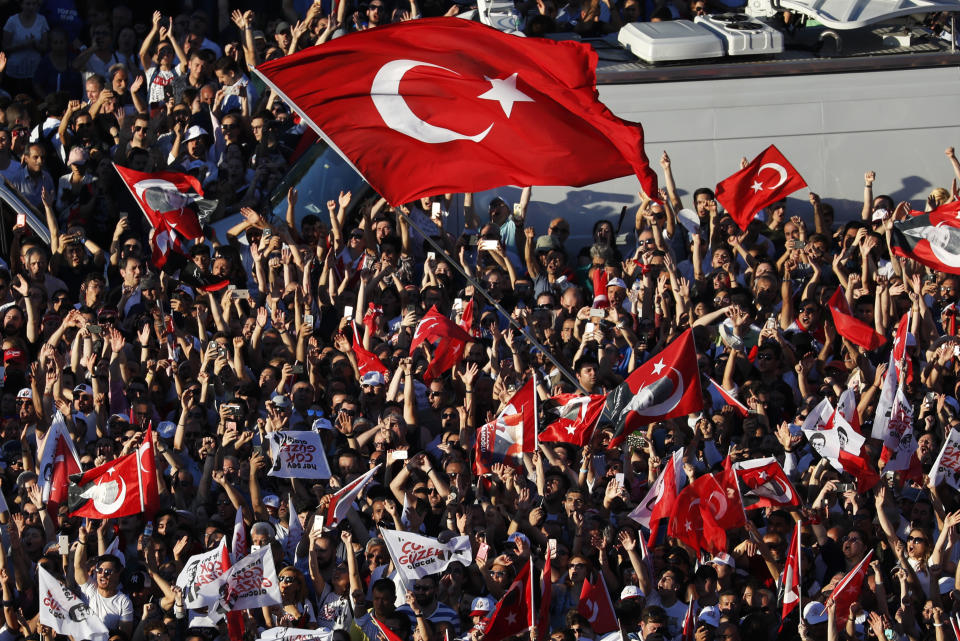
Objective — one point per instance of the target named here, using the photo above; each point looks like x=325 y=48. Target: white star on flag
x=511 y=618
x=757 y=186
x=571 y=429
x=763 y=475
x=505 y=92
x=658 y=367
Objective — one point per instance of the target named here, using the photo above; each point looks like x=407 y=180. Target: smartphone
x=589 y=328
x=308 y=320
x=458 y=304
x=930 y=278
x=517 y=210
x=560 y=280
x=431 y=256
x=622 y=239
x=552 y=546
x=63 y=542
x=771 y=323
x=846 y=487
x=798 y=244
x=472 y=240
x=297 y=368
x=94 y=329
x=401 y=455
x=482 y=551
x=242 y=293
x=596 y=312
x=435 y=210
x=487 y=245
x=619 y=479
x=21 y=220
x=267 y=233
x=348 y=312
x=410 y=309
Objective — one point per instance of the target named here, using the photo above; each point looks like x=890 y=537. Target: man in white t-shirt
x=101 y=591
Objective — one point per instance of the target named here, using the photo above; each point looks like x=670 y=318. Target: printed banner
x=251 y=583
x=296 y=634
x=65 y=611
x=417 y=556
x=947 y=466
x=297 y=455
x=199 y=571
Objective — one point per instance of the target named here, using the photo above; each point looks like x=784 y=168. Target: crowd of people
x=93 y=333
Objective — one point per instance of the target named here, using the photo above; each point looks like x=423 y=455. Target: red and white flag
x=546 y=593
x=367 y=361
x=946 y=468
x=450 y=337
x=294 y=532
x=763 y=483
x=239 y=546
x=899 y=443
x=688 y=632
x=577 y=417
x=901 y=341
x=171 y=202
x=767 y=179
x=595 y=605
x=931 y=238
x=693 y=523
x=847 y=408
x=514 y=612
x=659 y=502
x=499 y=441
x=386 y=634
x=63 y=610
x=438 y=105
x=847 y=591
x=727 y=398
x=468 y=320
x=49 y=460
x=851 y=327
x=122 y=487
x=342 y=500
x=666 y=386
x=790 y=579
x=524 y=403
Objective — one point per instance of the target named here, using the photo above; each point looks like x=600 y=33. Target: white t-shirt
x=111 y=610
x=159 y=79
x=675 y=614
x=23 y=63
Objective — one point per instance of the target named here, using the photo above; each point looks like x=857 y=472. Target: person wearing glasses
x=101 y=589
x=296 y=610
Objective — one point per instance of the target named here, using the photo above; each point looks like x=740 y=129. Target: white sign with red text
x=200 y=570
x=65 y=612
x=297 y=455
x=947 y=466
x=416 y=556
x=251 y=583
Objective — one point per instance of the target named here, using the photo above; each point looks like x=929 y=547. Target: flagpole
x=536 y=414
x=799 y=573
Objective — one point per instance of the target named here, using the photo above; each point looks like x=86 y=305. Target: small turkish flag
x=577 y=417
x=171 y=202
x=848 y=590
x=435 y=325
x=596 y=606
x=693 y=524
x=514 y=612
x=367 y=361
x=666 y=386
x=763 y=483
x=767 y=179
x=443 y=105
x=851 y=327
x=790 y=585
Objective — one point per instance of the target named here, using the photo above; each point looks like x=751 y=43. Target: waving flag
x=790 y=579
x=294 y=532
x=122 y=487
x=546 y=593
x=415 y=556
x=946 y=468
x=847 y=591
x=726 y=398
x=689 y=629
x=666 y=386
x=660 y=501
x=577 y=417
x=239 y=547
x=171 y=201
x=899 y=443
x=595 y=605
x=693 y=524
x=767 y=179
x=367 y=361
x=851 y=327
x=932 y=239
x=342 y=500
x=763 y=483
x=514 y=612
x=439 y=105
x=450 y=337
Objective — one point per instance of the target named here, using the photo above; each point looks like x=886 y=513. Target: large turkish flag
x=444 y=105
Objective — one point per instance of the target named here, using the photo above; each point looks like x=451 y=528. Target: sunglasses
x=287 y=579
x=105 y=571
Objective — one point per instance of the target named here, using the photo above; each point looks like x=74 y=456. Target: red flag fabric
x=790 y=586
x=763 y=483
x=851 y=327
x=64 y=464
x=467 y=320
x=546 y=593
x=443 y=105
x=900 y=357
x=729 y=398
x=767 y=179
x=170 y=201
x=122 y=487
x=514 y=611
x=600 y=288
x=721 y=496
x=858 y=467
x=524 y=403
x=578 y=416
x=434 y=326
x=342 y=499
x=847 y=408
x=932 y=238
x=238 y=545
x=385 y=632
x=693 y=524
x=660 y=501
x=847 y=591
x=688 y=632
x=499 y=441
x=235 y=627
x=666 y=386
x=596 y=606
x=367 y=361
